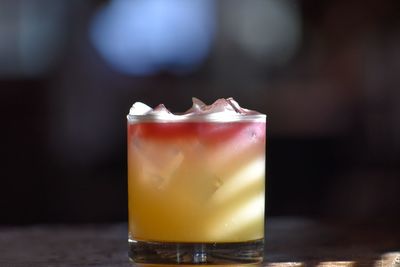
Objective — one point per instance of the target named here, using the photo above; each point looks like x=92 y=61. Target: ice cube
x=159 y=161
x=194 y=177
x=235 y=105
x=221 y=106
x=197 y=106
x=139 y=108
x=161 y=109
x=227 y=105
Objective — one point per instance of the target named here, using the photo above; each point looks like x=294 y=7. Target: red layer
x=206 y=131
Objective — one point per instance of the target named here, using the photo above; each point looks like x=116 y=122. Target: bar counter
x=289 y=242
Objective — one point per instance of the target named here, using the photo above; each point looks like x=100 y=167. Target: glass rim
x=213 y=117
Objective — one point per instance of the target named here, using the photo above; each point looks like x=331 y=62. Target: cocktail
x=196 y=184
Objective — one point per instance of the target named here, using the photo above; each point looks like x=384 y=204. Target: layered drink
x=196 y=183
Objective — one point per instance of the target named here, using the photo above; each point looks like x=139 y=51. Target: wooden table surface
x=289 y=242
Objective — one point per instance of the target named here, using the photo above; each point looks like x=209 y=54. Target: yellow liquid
x=186 y=189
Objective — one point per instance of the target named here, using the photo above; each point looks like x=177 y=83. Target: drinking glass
x=196 y=189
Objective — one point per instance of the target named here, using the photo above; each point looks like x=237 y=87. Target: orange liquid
x=196 y=181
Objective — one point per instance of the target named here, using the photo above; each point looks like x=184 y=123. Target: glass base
x=196 y=253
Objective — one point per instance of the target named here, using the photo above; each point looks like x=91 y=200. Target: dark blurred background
x=327 y=73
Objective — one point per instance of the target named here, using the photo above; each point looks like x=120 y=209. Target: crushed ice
x=220 y=106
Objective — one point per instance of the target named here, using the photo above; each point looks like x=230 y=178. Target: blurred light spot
x=142 y=37
x=336 y=264
x=391 y=259
x=31 y=35
x=285 y=264
x=268 y=30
